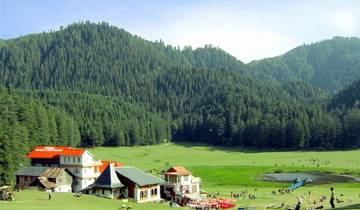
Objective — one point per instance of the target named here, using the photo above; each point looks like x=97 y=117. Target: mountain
x=330 y=65
x=349 y=97
x=124 y=90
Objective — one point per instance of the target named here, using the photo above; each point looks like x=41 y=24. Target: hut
x=107 y=185
x=140 y=186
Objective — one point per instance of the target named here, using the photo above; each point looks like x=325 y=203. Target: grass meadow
x=222 y=171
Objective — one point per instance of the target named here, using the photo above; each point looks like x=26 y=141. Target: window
x=78 y=159
x=186 y=178
x=143 y=194
x=26 y=178
x=74 y=159
x=103 y=192
x=153 y=191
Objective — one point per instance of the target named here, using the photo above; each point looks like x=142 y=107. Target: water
x=316 y=177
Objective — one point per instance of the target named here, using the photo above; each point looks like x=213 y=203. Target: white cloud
x=252 y=31
x=246 y=39
x=347 y=22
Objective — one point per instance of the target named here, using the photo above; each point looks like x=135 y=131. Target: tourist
x=300 y=199
x=49 y=193
x=298 y=206
x=332 y=197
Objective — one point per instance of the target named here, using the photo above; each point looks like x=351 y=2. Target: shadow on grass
x=249 y=149
x=228 y=149
x=354 y=206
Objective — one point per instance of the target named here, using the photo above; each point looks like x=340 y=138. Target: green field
x=222 y=170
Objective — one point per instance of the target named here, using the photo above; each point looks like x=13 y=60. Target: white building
x=83 y=166
x=179 y=183
x=79 y=162
x=140 y=186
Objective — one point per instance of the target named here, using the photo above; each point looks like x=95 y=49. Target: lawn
x=222 y=171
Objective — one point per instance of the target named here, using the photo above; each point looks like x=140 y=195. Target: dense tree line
x=123 y=90
x=347 y=98
x=330 y=65
x=26 y=123
x=107 y=120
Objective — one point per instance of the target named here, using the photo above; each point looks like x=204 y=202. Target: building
x=140 y=186
x=27 y=175
x=57 y=179
x=79 y=162
x=107 y=185
x=179 y=183
x=106 y=163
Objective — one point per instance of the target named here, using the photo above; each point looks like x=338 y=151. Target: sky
x=247 y=29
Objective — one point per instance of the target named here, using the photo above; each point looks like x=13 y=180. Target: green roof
x=138 y=176
x=31 y=171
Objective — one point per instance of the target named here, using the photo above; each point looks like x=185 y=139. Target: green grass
x=161 y=156
x=222 y=170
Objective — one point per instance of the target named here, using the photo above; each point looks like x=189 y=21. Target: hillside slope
x=25 y=123
x=349 y=97
x=330 y=65
x=201 y=95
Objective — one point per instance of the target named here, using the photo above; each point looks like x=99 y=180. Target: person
x=332 y=197
x=298 y=206
x=300 y=199
x=49 y=193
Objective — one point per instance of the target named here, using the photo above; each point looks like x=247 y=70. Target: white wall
x=70 y=160
x=63 y=188
x=149 y=197
x=185 y=180
x=82 y=184
x=107 y=193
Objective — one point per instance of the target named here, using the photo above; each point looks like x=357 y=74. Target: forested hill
x=26 y=123
x=124 y=90
x=348 y=98
x=330 y=65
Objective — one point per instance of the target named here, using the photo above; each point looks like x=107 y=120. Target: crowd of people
x=245 y=194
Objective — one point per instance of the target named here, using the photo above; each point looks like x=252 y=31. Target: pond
x=316 y=177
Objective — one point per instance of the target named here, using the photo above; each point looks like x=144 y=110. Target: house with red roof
x=106 y=163
x=79 y=162
x=180 y=184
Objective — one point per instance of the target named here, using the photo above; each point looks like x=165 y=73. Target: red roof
x=53 y=152
x=178 y=170
x=106 y=163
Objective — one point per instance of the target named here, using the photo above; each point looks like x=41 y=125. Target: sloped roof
x=53 y=152
x=46 y=183
x=108 y=179
x=178 y=170
x=105 y=164
x=138 y=176
x=53 y=172
x=31 y=171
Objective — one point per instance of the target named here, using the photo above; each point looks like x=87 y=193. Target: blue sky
x=247 y=29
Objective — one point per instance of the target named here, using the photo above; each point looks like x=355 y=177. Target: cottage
x=140 y=186
x=107 y=185
x=57 y=179
x=180 y=183
x=80 y=162
x=27 y=175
